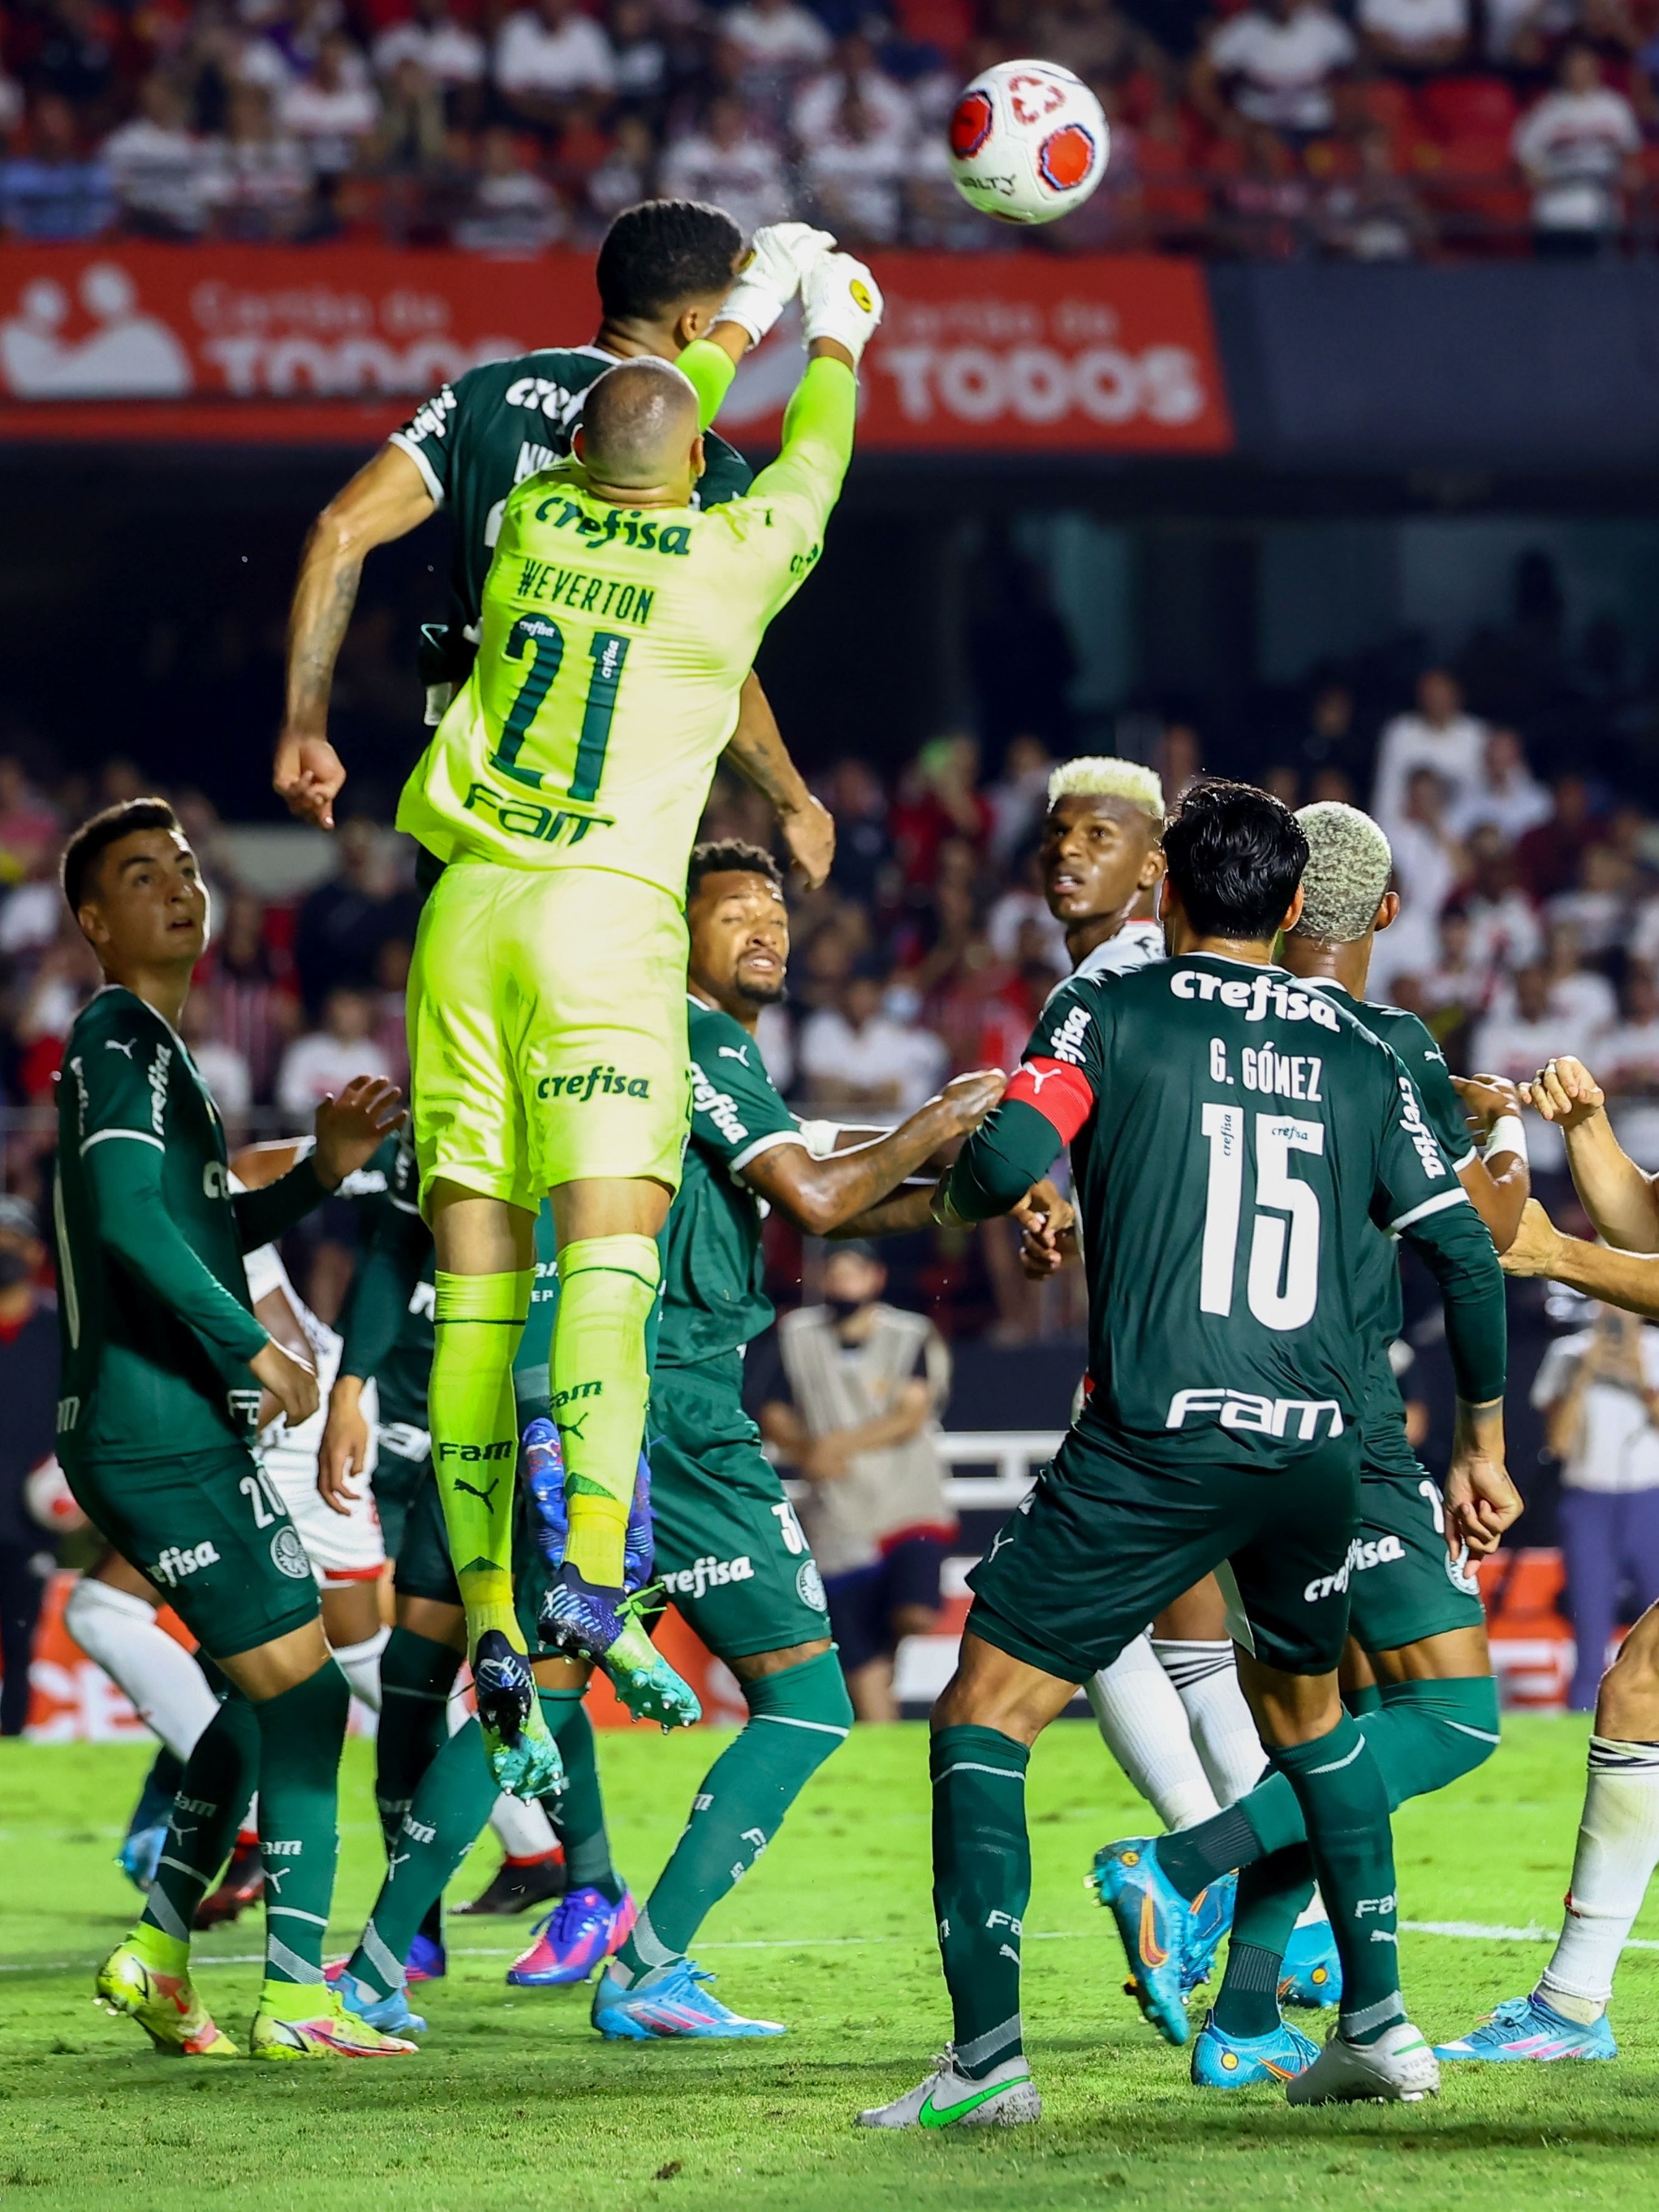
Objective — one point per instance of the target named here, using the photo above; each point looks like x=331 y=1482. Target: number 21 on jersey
x=1282 y=1282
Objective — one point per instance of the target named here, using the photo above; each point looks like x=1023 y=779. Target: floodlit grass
x=514 y=2102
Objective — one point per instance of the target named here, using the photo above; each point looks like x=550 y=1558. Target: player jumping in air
x=1234 y=1137
x=664 y=273
x=164 y=1363
x=1430 y=1711
x=547 y=1007
x=1565 y=2016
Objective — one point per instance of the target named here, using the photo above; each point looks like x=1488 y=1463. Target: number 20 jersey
x=1235 y=1140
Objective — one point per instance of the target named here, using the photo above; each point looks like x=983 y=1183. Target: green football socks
x=221 y=1775
x=982 y=1885
x=454 y=1799
x=478 y=1321
x=577 y=1814
x=1273 y=1895
x=1345 y=1803
x=607 y=1289
x=796 y=1719
x=300 y=1737
x=416 y=1677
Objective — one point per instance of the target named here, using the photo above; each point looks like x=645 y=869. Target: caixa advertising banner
x=337 y=344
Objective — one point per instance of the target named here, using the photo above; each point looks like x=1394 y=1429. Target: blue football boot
x=669 y=2003
x=1152 y=1919
x=590 y=1622
x=391 y=2013
x=428 y=1960
x=1527 y=2027
x=1210 y=1917
x=1311 y=1973
x=1237 y=2062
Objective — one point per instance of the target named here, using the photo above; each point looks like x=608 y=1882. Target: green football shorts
x=212 y=1535
x=1103 y=1543
x=730 y=1552
x=400 y=1475
x=1405 y=1585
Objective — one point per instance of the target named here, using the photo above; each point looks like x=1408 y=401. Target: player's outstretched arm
x=1500 y=1183
x=757 y=752
x=350 y=1130
x=384 y=501
x=1630 y=1279
x=1622 y=1200
x=820 y=1196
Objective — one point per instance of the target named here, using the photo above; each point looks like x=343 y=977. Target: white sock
x=360 y=1665
x=1206 y=1677
x=1618 y=1850
x=1144 y=1727
x=523 y=1830
x=168 y=1690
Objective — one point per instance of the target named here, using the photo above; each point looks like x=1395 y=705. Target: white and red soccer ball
x=1027 y=141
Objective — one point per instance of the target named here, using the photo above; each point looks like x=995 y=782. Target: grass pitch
x=514 y=2103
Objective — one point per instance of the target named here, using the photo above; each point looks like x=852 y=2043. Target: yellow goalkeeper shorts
x=547 y=1031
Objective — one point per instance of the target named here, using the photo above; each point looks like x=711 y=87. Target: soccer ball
x=1028 y=141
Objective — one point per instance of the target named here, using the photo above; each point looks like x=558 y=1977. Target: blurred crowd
x=1376 y=129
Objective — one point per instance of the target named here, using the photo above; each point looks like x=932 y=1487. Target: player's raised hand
x=779 y=255
x=308 y=773
x=968 y=1098
x=343 y=1453
x=1537 y=1245
x=1566 y=1093
x=809 y=831
x=840 y=302
x=1487 y=1099
x=1482 y=1501
x=290 y=1382
x=351 y=1126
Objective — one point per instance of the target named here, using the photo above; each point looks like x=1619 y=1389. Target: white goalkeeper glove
x=779 y=257
x=841 y=299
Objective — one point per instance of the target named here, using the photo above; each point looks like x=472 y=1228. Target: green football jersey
x=615 y=645
x=1382 y=1316
x=714 y=1270
x=496 y=425
x=143 y=1379
x=1237 y=1140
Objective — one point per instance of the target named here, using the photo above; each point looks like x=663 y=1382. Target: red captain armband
x=1062 y=1093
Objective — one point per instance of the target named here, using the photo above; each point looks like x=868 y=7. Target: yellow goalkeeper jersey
x=614 y=641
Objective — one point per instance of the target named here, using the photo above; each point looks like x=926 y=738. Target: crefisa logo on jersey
x=1262 y=994
x=178 y=1562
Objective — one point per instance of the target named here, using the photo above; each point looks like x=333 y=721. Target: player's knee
x=811 y=1697
x=1628 y=1707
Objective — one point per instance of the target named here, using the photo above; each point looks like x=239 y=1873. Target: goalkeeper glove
x=841 y=299
x=779 y=258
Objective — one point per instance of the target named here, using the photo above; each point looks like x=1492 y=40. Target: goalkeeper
x=547 y=1000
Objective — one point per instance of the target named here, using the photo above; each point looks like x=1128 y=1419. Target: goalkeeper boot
x=587 y=1621
x=1152 y=1918
x=582 y=1929
x=1006 y=2097
x=1527 y=2027
x=318 y=2026
x=1311 y=1975
x=669 y=2003
x=164 y=2005
x=1210 y=1917
x=523 y=1756
x=1221 y=2061
x=1397 y=2069
x=390 y=2013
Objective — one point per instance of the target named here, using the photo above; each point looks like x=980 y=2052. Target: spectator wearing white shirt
x=511 y=208
x=890 y=117
x=724 y=162
x=1578 y=994
x=334 y=111
x=1507 y=931
x=1457 y=978
x=221 y=1067
x=1505 y=793
x=1275 y=65
x=641 y=56
x=856 y=169
x=777 y=34
x=1627 y=1058
x=162 y=173
x=1518 y=1041
x=1438 y=735
x=549 y=56
x=1600 y=904
x=320 y=1065
x=449 y=54
x=857 y=1061
x=1415 y=35
x=265 y=187
x=1427 y=864
x=1579 y=147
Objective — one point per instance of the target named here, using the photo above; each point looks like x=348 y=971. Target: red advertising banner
x=995 y=352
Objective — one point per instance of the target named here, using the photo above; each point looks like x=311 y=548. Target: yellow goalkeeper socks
x=478 y=1319
x=607 y=1287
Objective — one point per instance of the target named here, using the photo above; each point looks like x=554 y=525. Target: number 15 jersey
x=1236 y=1140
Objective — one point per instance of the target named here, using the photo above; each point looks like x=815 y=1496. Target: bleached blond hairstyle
x=1349 y=864
x=1098 y=775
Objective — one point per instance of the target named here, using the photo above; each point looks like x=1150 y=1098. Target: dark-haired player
x=163 y=1361
x=666 y=271
x=1234 y=1138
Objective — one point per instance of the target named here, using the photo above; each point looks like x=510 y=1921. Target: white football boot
x=1006 y=2097
x=1397 y=2069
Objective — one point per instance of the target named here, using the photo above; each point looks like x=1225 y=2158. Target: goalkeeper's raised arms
x=781 y=257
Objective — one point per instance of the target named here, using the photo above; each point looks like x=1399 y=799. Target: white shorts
x=343 y=1548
